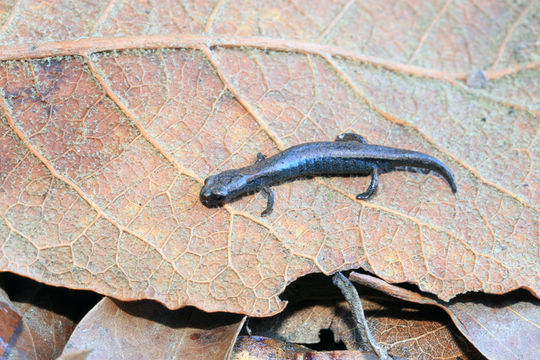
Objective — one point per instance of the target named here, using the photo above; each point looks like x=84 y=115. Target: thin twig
x=351 y=295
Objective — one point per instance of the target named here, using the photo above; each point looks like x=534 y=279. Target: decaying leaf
x=16 y=339
x=405 y=331
x=146 y=330
x=336 y=355
x=259 y=348
x=262 y=348
x=36 y=320
x=500 y=327
x=112 y=114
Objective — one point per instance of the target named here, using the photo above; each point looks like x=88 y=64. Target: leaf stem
x=351 y=295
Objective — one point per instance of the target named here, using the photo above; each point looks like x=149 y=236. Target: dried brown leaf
x=147 y=330
x=500 y=327
x=408 y=332
x=16 y=339
x=260 y=348
x=40 y=320
x=336 y=355
x=112 y=114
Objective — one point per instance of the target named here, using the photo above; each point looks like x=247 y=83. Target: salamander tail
x=424 y=161
x=431 y=163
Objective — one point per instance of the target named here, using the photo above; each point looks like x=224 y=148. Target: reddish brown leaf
x=16 y=340
x=112 y=114
x=50 y=330
x=47 y=312
x=501 y=327
x=40 y=320
x=113 y=330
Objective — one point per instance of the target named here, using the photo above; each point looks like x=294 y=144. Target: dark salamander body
x=348 y=155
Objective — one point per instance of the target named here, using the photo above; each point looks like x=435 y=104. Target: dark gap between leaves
x=327 y=342
x=73 y=304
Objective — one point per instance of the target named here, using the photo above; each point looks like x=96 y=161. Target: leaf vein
x=509 y=34
x=426 y=137
x=9 y=20
x=429 y=29
x=91 y=45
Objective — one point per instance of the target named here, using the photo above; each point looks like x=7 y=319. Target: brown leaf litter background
x=113 y=113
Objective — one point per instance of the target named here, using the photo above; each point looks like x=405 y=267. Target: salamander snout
x=211 y=198
x=219 y=189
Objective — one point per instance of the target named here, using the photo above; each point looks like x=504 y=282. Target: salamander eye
x=209 y=179
x=219 y=194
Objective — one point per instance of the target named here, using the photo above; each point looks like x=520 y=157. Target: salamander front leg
x=260 y=157
x=270 y=201
x=372 y=188
x=267 y=191
x=351 y=137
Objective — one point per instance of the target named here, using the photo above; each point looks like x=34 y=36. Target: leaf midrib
x=88 y=46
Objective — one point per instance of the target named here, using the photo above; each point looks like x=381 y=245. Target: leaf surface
x=50 y=329
x=500 y=327
x=148 y=330
x=112 y=114
x=38 y=319
x=259 y=347
x=15 y=336
x=405 y=331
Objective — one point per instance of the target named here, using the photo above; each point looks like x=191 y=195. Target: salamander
x=349 y=154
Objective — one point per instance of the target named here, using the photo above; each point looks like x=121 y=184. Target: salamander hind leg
x=372 y=188
x=270 y=201
x=351 y=137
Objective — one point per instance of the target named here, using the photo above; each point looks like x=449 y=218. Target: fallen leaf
x=147 y=330
x=47 y=316
x=404 y=331
x=259 y=347
x=262 y=348
x=317 y=315
x=500 y=327
x=112 y=114
x=336 y=355
x=83 y=355
x=301 y=323
x=15 y=337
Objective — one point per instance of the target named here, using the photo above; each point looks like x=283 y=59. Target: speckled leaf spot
x=112 y=114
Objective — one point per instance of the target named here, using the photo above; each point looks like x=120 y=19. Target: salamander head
x=221 y=188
